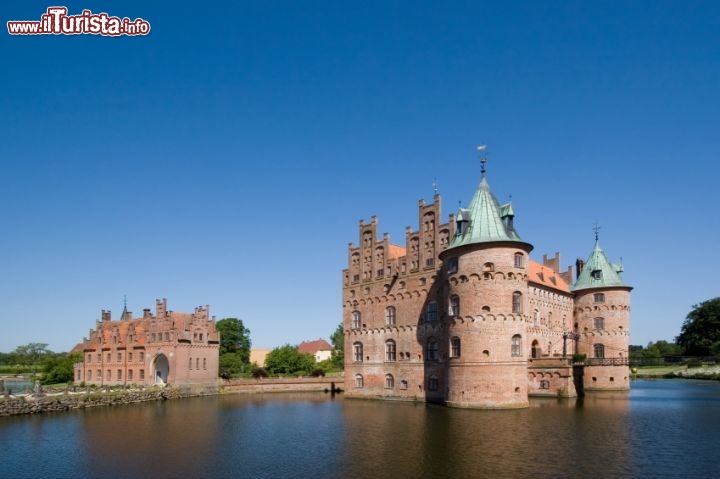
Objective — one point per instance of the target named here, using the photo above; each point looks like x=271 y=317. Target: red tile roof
x=545 y=276
x=312 y=347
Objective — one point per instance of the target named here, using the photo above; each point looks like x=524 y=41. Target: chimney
x=579 y=265
x=146 y=313
x=105 y=315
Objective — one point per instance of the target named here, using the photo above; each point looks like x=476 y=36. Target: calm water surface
x=663 y=428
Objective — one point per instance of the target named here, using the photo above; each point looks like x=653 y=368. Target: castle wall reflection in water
x=664 y=428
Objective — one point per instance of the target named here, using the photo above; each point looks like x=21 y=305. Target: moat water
x=662 y=428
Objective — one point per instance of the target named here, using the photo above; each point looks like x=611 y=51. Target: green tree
x=337 y=339
x=234 y=347
x=701 y=329
x=288 y=360
x=234 y=338
x=58 y=368
x=31 y=353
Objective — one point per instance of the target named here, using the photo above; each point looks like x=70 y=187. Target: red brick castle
x=462 y=316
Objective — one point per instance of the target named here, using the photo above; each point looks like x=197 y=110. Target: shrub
x=258 y=373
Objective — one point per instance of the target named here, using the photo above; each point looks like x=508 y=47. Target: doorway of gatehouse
x=162 y=369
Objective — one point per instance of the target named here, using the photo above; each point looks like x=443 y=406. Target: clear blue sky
x=226 y=158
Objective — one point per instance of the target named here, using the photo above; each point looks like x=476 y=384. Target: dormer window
x=596 y=274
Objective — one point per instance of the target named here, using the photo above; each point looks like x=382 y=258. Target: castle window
x=517 y=302
x=357 y=352
x=599 y=350
x=99 y=357
x=142 y=356
x=431 y=313
x=431 y=353
x=356 y=320
x=516 y=346
x=390 y=350
x=389 y=381
x=167 y=337
x=130 y=357
x=107 y=375
x=544 y=384
x=390 y=315
x=433 y=383
x=403 y=384
x=455 y=347
x=142 y=374
x=519 y=260
x=99 y=375
x=119 y=356
x=197 y=363
x=452 y=265
x=535 y=350
x=108 y=357
x=599 y=297
x=596 y=274
x=89 y=374
x=358 y=381
x=536 y=317
x=204 y=363
x=89 y=358
x=119 y=374
x=189 y=363
x=599 y=323
x=488 y=267
x=454 y=305
x=130 y=374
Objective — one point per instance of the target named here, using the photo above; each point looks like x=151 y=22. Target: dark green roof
x=598 y=272
x=485 y=220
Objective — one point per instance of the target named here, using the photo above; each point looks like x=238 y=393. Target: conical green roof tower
x=598 y=272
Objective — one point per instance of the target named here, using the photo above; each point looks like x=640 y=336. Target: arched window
x=390 y=350
x=519 y=260
x=390 y=315
x=356 y=320
x=358 y=381
x=535 y=351
x=517 y=302
x=455 y=347
x=516 y=348
x=403 y=384
x=357 y=352
x=454 y=305
x=599 y=323
x=431 y=353
x=536 y=317
x=431 y=313
x=599 y=350
x=389 y=381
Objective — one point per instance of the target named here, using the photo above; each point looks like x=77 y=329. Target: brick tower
x=602 y=319
x=486 y=276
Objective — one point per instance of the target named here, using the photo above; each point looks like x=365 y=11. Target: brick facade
x=477 y=324
x=164 y=348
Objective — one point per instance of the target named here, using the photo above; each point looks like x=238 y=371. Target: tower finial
x=596 y=229
x=483 y=159
x=435 y=188
x=125 y=301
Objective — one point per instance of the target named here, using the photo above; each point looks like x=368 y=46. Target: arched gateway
x=162 y=369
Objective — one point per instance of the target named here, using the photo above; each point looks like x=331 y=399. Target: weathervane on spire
x=596 y=229
x=483 y=159
x=125 y=301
